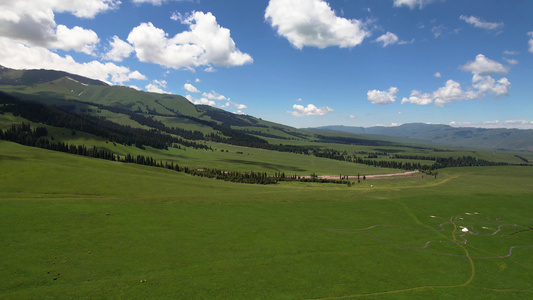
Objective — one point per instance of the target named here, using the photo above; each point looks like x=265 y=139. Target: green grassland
x=77 y=227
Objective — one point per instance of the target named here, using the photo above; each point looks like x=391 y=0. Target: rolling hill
x=63 y=112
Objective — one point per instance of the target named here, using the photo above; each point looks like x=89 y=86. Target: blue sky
x=302 y=63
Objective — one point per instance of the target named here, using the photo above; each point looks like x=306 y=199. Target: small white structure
x=464 y=230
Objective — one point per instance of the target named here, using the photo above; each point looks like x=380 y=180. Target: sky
x=302 y=63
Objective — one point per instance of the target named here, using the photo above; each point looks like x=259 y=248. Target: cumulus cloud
x=119 y=50
x=477 y=22
x=489 y=84
x=201 y=101
x=240 y=106
x=158 y=2
x=419 y=98
x=437 y=75
x=19 y=56
x=451 y=92
x=157 y=87
x=484 y=66
x=382 y=97
x=388 y=38
x=32 y=22
x=214 y=96
x=313 y=23
x=28 y=33
x=309 y=110
x=190 y=88
x=412 y=4
x=482 y=84
x=530 y=43
x=205 y=44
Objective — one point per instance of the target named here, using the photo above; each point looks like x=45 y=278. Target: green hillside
x=108 y=192
x=86 y=117
x=84 y=95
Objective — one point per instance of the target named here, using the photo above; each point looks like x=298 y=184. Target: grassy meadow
x=76 y=227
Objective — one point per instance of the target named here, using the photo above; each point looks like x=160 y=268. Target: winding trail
x=457 y=238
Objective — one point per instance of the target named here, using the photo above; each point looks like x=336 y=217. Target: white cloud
x=190 y=88
x=438 y=30
x=119 y=50
x=382 y=97
x=477 y=22
x=437 y=75
x=511 y=61
x=418 y=98
x=412 y=3
x=214 y=96
x=530 y=43
x=201 y=101
x=507 y=52
x=309 y=110
x=77 y=39
x=197 y=80
x=451 y=92
x=205 y=44
x=489 y=84
x=19 y=56
x=158 y=2
x=313 y=23
x=32 y=22
x=484 y=66
x=156 y=87
x=388 y=38
x=352 y=117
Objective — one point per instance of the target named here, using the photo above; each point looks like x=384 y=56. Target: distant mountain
x=497 y=139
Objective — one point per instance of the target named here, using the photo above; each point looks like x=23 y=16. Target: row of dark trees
x=108 y=130
x=162 y=137
x=25 y=135
x=439 y=162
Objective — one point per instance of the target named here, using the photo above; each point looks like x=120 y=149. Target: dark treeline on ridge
x=23 y=134
x=163 y=137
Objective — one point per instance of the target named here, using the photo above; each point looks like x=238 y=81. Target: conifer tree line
x=162 y=137
x=108 y=130
x=25 y=135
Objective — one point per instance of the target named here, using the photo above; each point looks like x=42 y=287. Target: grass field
x=75 y=227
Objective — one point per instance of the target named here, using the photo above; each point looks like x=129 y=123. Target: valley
x=108 y=192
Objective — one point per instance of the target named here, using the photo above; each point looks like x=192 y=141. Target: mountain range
x=437 y=134
x=118 y=104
